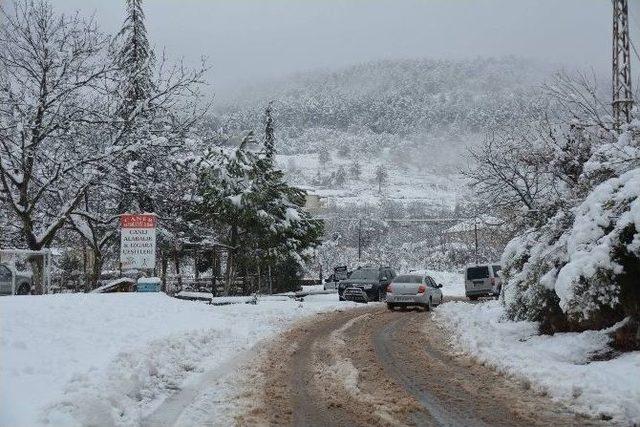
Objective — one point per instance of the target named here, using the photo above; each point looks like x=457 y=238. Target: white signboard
x=138 y=241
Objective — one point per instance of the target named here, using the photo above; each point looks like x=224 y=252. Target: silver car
x=413 y=289
x=482 y=280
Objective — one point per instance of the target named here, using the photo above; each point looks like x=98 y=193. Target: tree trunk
x=176 y=260
x=37 y=267
x=230 y=271
x=96 y=270
x=164 y=264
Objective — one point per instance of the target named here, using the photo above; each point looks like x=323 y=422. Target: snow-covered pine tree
x=248 y=199
x=269 y=133
x=135 y=59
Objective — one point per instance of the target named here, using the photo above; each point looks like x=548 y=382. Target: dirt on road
x=375 y=367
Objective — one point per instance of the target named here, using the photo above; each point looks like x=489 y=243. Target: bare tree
x=381 y=176
x=59 y=134
x=509 y=172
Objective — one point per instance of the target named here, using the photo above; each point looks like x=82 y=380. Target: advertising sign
x=138 y=241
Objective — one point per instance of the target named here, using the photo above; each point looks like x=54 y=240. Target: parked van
x=482 y=280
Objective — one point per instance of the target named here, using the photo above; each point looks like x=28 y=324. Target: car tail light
x=422 y=289
x=389 y=289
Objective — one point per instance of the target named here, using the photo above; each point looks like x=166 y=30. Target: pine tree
x=269 y=134
x=135 y=59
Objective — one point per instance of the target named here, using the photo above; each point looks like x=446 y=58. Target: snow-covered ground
x=110 y=359
x=452 y=283
x=405 y=183
x=558 y=365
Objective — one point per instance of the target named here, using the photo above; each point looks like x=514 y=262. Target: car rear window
x=474 y=273
x=366 y=274
x=408 y=279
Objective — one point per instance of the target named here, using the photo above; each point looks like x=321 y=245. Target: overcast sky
x=250 y=40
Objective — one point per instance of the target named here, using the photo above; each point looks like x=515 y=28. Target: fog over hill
x=400 y=99
x=417 y=117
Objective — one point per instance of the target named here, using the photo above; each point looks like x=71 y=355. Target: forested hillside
x=376 y=104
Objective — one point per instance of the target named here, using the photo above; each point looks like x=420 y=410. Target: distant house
x=314 y=204
x=467 y=226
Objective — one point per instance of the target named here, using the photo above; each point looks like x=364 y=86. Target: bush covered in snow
x=580 y=269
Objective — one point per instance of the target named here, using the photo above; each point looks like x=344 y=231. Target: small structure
x=123 y=284
x=149 y=284
x=314 y=203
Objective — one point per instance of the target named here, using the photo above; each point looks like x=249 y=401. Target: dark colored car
x=366 y=284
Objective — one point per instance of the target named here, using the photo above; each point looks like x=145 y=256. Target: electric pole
x=359 y=240
x=622 y=95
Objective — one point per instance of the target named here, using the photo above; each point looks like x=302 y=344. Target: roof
x=483 y=222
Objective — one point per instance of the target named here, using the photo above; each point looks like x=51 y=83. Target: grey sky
x=250 y=40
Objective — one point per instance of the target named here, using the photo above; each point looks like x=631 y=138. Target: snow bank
x=452 y=283
x=556 y=365
x=109 y=359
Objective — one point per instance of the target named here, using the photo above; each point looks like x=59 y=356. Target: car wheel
x=24 y=289
x=429 y=305
x=391 y=306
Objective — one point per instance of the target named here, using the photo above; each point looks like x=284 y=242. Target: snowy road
x=374 y=367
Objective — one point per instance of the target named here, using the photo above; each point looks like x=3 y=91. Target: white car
x=482 y=280
x=414 y=289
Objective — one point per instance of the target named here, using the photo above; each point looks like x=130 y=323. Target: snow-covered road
x=112 y=359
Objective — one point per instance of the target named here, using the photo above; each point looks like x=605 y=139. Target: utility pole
x=475 y=230
x=622 y=96
x=359 y=239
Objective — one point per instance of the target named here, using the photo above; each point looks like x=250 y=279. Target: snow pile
x=556 y=365
x=452 y=283
x=109 y=359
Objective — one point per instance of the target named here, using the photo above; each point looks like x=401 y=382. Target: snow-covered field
x=405 y=183
x=556 y=365
x=110 y=359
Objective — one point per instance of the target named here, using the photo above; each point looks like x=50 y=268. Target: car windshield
x=477 y=272
x=366 y=274
x=408 y=279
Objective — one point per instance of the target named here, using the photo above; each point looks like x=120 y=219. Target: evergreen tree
x=248 y=198
x=135 y=59
x=269 y=135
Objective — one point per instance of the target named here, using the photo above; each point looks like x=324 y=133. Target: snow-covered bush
x=580 y=269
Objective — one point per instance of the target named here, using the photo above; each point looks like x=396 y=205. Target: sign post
x=138 y=241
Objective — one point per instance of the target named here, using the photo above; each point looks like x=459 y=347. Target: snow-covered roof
x=483 y=221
